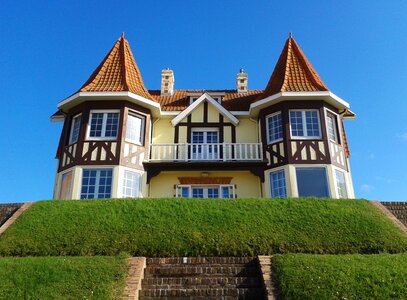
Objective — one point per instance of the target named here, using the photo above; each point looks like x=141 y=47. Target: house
x=120 y=139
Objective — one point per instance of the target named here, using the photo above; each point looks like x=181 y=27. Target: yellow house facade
x=121 y=140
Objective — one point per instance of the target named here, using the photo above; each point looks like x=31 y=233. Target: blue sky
x=49 y=48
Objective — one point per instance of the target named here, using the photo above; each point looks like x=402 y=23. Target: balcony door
x=205 y=144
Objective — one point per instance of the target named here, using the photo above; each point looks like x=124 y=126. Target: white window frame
x=304 y=125
x=271 y=182
x=96 y=183
x=70 y=188
x=104 y=112
x=205 y=187
x=345 y=177
x=70 y=142
x=309 y=166
x=328 y=115
x=267 y=128
x=142 y=128
x=123 y=186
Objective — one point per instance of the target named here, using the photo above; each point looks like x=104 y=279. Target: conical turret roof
x=293 y=73
x=118 y=72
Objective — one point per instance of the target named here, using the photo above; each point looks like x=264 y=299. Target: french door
x=205 y=144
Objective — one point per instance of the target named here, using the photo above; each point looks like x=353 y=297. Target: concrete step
x=238 y=293
x=200 y=282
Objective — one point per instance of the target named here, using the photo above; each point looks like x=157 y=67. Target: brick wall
x=398 y=209
x=7 y=210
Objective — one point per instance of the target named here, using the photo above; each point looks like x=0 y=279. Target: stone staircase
x=199 y=278
x=7 y=210
x=398 y=209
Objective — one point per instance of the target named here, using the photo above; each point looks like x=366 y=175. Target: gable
x=197 y=111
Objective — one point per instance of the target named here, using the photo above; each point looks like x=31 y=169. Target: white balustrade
x=206 y=152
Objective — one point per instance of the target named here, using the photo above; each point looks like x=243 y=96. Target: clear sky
x=49 y=48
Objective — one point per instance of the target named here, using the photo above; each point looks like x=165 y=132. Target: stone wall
x=398 y=209
x=7 y=210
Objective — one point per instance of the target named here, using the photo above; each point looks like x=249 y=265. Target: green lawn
x=304 y=276
x=201 y=227
x=62 y=277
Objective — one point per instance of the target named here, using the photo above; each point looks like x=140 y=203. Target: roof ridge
x=123 y=58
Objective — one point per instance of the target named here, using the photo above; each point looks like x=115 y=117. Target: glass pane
x=134 y=128
x=341 y=184
x=96 y=123
x=312 y=182
x=197 y=193
x=312 y=122
x=278 y=187
x=213 y=192
x=211 y=137
x=197 y=137
x=296 y=123
x=66 y=186
x=275 y=127
x=185 y=192
x=76 y=125
x=112 y=124
x=331 y=128
x=131 y=184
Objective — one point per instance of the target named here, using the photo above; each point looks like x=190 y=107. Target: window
x=312 y=182
x=103 y=125
x=135 y=128
x=65 y=189
x=75 y=127
x=205 y=143
x=305 y=124
x=277 y=184
x=204 y=191
x=332 y=128
x=96 y=183
x=274 y=126
x=131 y=184
x=341 y=184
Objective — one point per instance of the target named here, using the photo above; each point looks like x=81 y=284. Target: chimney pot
x=167 y=82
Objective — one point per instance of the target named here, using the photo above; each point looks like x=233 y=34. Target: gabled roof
x=232 y=100
x=201 y=99
x=118 y=72
x=293 y=73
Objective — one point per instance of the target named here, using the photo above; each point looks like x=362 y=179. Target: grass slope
x=62 y=277
x=304 y=276
x=201 y=227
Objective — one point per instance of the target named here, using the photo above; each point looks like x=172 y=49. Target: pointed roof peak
x=118 y=72
x=293 y=72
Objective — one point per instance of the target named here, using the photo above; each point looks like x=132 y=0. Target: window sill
x=101 y=139
x=274 y=142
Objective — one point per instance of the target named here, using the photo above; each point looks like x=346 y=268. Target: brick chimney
x=167 y=82
x=242 y=82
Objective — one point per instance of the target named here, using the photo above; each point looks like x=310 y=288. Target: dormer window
x=103 y=125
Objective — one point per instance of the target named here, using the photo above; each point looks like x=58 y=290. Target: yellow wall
x=246 y=131
x=213 y=114
x=197 y=114
x=163 y=131
x=247 y=184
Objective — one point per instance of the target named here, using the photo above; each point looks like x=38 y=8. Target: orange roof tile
x=117 y=72
x=232 y=100
x=293 y=73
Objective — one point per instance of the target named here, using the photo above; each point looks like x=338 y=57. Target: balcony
x=223 y=152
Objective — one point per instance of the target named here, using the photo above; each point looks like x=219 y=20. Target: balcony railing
x=207 y=152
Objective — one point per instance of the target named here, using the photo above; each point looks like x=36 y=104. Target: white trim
x=345 y=176
x=193 y=106
x=142 y=128
x=205 y=188
x=56 y=119
x=98 y=168
x=72 y=127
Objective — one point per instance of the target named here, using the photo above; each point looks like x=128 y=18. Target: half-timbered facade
x=121 y=140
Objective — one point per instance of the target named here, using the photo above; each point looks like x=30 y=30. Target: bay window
x=278 y=185
x=305 y=124
x=75 y=128
x=341 y=184
x=312 y=182
x=96 y=183
x=274 y=126
x=135 y=128
x=103 y=125
x=332 y=128
x=131 y=184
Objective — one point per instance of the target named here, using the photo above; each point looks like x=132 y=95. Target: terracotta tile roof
x=345 y=141
x=117 y=72
x=232 y=100
x=293 y=73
